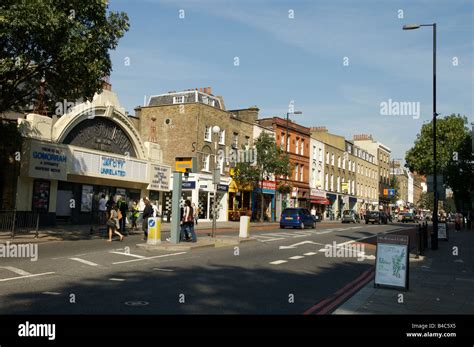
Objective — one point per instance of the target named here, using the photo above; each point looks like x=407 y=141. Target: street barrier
x=244 y=227
x=17 y=222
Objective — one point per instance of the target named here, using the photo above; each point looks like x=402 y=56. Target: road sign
x=183 y=163
x=154 y=231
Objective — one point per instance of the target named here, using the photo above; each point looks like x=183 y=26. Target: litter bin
x=244 y=226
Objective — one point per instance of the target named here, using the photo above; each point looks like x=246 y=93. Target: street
x=282 y=272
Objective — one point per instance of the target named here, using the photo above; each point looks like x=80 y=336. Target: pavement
x=440 y=282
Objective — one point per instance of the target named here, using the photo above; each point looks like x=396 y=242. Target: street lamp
x=434 y=238
x=216 y=179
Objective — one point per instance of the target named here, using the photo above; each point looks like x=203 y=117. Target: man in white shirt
x=102 y=209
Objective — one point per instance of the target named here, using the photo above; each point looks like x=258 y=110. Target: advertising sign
x=442 y=232
x=86 y=198
x=391 y=266
x=112 y=166
x=159 y=177
x=41 y=190
x=47 y=161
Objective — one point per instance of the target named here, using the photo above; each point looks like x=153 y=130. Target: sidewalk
x=439 y=283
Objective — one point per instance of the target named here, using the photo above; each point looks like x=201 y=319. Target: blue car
x=297 y=217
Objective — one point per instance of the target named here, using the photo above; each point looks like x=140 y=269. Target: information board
x=391 y=267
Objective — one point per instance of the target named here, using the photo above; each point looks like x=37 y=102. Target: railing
x=17 y=222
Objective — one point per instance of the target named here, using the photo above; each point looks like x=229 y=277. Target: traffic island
x=202 y=242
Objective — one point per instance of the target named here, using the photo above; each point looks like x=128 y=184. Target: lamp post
x=434 y=238
x=216 y=179
x=287 y=127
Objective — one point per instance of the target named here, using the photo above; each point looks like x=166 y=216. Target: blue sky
x=301 y=59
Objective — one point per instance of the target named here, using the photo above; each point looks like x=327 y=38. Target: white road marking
x=156 y=256
x=324 y=232
x=281 y=234
x=310 y=253
x=300 y=243
x=296 y=257
x=87 y=262
x=165 y=270
x=129 y=254
x=16 y=270
x=51 y=293
x=117 y=279
x=277 y=262
x=20 y=277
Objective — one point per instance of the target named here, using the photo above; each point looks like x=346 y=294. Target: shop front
x=332 y=208
x=240 y=201
x=269 y=190
x=318 y=202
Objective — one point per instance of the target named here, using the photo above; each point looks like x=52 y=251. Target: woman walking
x=135 y=214
x=196 y=213
x=113 y=223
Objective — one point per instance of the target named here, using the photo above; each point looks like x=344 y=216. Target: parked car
x=408 y=217
x=378 y=217
x=349 y=216
x=297 y=217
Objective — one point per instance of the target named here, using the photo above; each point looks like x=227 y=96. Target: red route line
x=340 y=292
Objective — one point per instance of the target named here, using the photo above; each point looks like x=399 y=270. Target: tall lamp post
x=287 y=149
x=434 y=238
x=215 y=179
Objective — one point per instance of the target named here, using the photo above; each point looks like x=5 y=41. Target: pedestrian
x=123 y=207
x=196 y=213
x=147 y=213
x=188 y=222
x=113 y=223
x=457 y=222
x=109 y=205
x=102 y=210
x=134 y=215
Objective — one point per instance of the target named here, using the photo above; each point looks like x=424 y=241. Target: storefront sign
x=159 y=177
x=391 y=268
x=222 y=188
x=112 y=166
x=48 y=161
x=188 y=185
x=317 y=193
x=270 y=185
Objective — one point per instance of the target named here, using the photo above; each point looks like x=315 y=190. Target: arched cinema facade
x=93 y=149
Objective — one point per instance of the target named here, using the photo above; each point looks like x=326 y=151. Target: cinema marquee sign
x=47 y=161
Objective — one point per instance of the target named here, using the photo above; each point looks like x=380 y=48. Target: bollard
x=425 y=235
x=154 y=231
x=244 y=227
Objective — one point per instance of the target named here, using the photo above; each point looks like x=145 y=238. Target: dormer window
x=178 y=99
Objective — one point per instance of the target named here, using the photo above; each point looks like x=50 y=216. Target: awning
x=320 y=201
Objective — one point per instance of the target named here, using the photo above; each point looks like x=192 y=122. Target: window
x=205 y=162
x=247 y=142
x=282 y=143
x=302 y=147
x=338 y=161
x=235 y=140
x=313 y=177
x=221 y=164
x=207 y=134
x=297 y=145
x=326 y=182
x=332 y=183
x=222 y=137
x=321 y=155
x=338 y=184
x=288 y=142
x=178 y=99
x=332 y=159
x=301 y=173
x=314 y=152
x=327 y=157
x=353 y=187
x=296 y=172
x=343 y=164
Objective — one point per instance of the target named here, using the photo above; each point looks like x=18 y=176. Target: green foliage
x=426 y=201
x=394 y=184
x=66 y=42
x=452 y=136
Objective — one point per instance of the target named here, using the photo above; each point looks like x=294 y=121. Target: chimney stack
x=362 y=137
x=319 y=128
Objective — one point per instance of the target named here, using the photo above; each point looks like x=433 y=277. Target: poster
x=48 y=161
x=442 y=233
x=391 y=268
x=86 y=198
x=41 y=196
x=159 y=178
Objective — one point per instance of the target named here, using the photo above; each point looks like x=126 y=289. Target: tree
x=453 y=154
x=394 y=184
x=271 y=161
x=63 y=44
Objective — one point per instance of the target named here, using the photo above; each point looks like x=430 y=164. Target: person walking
x=113 y=223
x=188 y=222
x=134 y=215
x=123 y=207
x=195 y=212
x=147 y=213
x=102 y=210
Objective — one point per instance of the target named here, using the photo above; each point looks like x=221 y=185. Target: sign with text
x=222 y=188
x=391 y=266
x=159 y=177
x=112 y=166
x=318 y=193
x=442 y=231
x=188 y=185
x=47 y=161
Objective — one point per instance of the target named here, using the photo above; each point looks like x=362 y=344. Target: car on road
x=378 y=217
x=350 y=216
x=297 y=217
x=408 y=217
